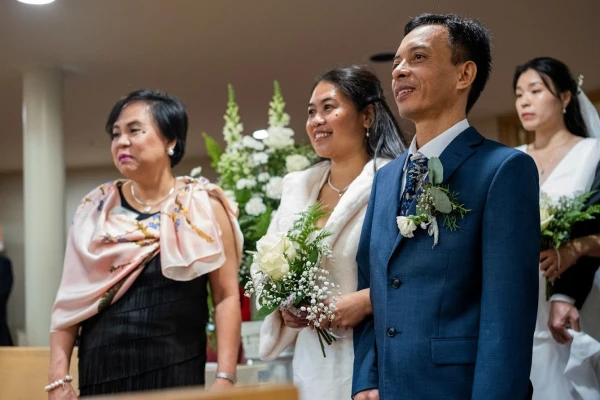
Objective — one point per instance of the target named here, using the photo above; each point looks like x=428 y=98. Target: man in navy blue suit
x=453 y=320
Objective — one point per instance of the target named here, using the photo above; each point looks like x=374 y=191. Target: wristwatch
x=225 y=375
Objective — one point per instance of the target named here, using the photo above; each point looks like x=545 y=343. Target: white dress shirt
x=434 y=147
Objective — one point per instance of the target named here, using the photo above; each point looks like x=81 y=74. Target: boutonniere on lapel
x=433 y=200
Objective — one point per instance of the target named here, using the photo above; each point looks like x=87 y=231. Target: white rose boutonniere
x=433 y=200
x=406 y=226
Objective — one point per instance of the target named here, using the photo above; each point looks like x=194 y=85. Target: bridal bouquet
x=557 y=219
x=251 y=171
x=290 y=276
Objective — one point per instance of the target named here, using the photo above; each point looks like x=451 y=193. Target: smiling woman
x=351 y=126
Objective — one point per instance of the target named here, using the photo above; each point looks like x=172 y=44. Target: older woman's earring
x=170 y=151
x=368 y=134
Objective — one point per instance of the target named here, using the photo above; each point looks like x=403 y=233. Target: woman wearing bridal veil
x=566 y=149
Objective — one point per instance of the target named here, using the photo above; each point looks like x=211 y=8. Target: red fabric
x=245 y=304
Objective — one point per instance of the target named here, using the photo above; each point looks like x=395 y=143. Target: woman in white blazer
x=351 y=127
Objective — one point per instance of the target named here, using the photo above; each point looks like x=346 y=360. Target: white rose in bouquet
x=545 y=218
x=272 y=254
x=279 y=137
x=296 y=162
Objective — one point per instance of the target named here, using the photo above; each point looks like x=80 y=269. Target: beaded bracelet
x=60 y=382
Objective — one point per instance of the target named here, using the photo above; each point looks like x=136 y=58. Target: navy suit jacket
x=455 y=321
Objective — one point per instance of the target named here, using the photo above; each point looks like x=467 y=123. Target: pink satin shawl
x=107 y=247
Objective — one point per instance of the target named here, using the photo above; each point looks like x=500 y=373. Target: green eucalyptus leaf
x=436 y=171
x=440 y=200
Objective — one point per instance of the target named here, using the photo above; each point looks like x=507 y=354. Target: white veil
x=588 y=112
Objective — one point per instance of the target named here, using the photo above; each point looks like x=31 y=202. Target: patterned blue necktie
x=416 y=167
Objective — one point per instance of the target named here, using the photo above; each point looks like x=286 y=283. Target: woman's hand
x=63 y=393
x=554 y=262
x=292 y=321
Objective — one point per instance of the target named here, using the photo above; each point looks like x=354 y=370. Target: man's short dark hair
x=468 y=40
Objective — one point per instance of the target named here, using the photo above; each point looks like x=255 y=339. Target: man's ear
x=466 y=75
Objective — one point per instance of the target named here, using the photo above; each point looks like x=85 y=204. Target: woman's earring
x=564 y=110
x=368 y=134
x=170 y=151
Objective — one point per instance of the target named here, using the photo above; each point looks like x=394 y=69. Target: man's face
x=424 y=78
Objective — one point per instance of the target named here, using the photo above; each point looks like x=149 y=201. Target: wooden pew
x=266 y=392
x=24 y=373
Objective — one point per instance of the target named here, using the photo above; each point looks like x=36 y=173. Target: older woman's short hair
x=167 y=111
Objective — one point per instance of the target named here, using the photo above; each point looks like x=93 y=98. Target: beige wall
x=487 y=127
x=79 y=183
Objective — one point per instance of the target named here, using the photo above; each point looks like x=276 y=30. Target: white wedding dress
x=571 y=371
x=327 y=378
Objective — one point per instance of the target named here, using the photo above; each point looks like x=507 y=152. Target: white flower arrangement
x=250 y=171
x=255 y=207
x=296 y=162
x=274 y=188
x=290 y=277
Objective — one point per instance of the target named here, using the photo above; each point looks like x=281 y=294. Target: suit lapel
x=393 y=200
x=459 y=150
x=451 y=158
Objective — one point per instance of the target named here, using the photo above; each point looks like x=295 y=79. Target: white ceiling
x=193 y=48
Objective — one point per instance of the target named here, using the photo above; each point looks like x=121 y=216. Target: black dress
x=153 y=337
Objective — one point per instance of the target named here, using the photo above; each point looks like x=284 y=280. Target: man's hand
x=562 y=316
x=351 y=309
x=371 y=394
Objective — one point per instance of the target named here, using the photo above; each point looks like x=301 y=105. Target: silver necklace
x=340 y=192
x=549 y=163
x=148 y=206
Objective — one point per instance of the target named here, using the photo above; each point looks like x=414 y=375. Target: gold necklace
x=149 y=206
